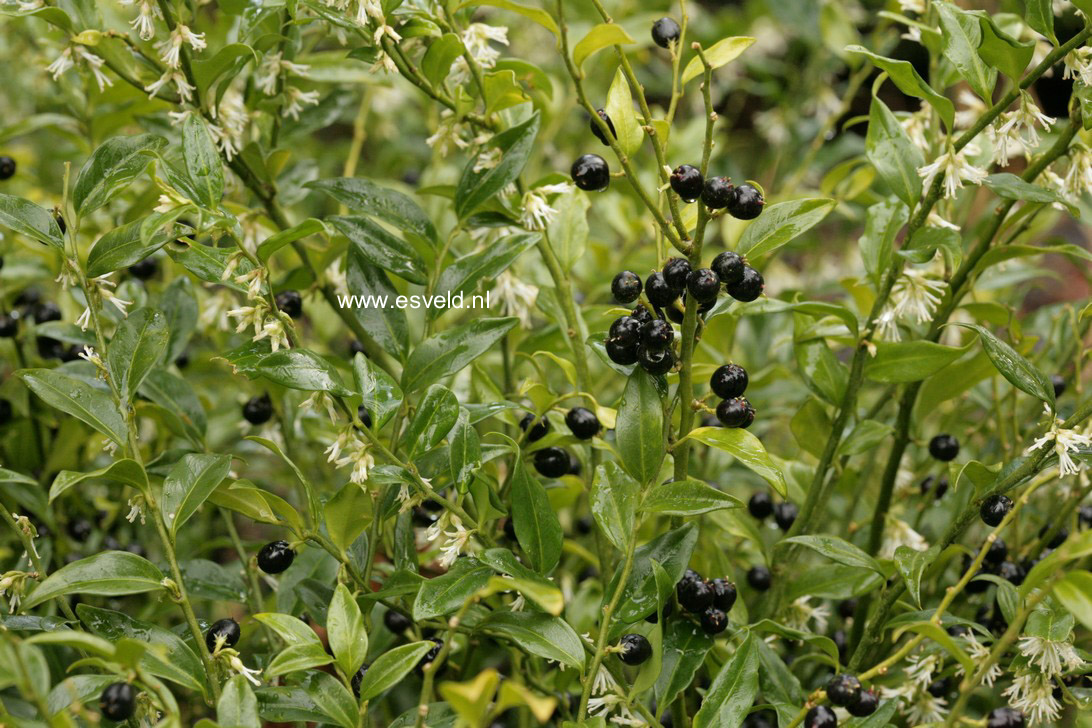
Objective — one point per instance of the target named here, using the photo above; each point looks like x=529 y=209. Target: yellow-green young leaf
x=620 y=110
x=719 y=54
x=908 y=80
x=441 y=53
x=536 y=14
x=502 y=91
x=898 y=362
x=345 y=627
x=1074 y=591
x=598 y=38
x=746 y=448
x=471 y=699
x=347 y=514
x=513 y=695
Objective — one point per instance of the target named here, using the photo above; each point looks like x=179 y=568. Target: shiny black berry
x=657 y=335
x=994 y=509
x=729 y=266
x=847 y=608
x=358 y=679
x=397 y=622
x=225 y=629
x=1057 y=539
x=655 y=362
x=582 y=423
x=621 y=353
x=432 y=654
x=703 y=284
x=760 y=505
x=665 y=31
x=626 y=330
x=713 y=621
x=364 y=416
x=290 y=302
x=733 y=412
x=635 y=649
x=659 y=292
x=729 y=381
x=144 y=269
x=759 y=578
x=997 y=552
x=820 y=717
x=785 y=514
x=258 y=410
x=944 y=447
x=117 y=702
x=46 y=312
x=745 y=202
x=599 y=132
x=675 y=272
x=275 y=557
x=687 y=182
x=843 y=689
x=9 y=326
x=676 y=310
x=641 y=313
x=355 y=347
x=626 y=287
x=575 y=467
x=940 y=687
x=538 y=429
x=7 y=168
x=591 y=173
x=865 y=704
x=695 y=594
x=1058 y=382
x=5 y=412
x=1005 y=718
x=717 y=193
x=749 y=287
x=552 y=462
x=724 y=594
x=49 y=348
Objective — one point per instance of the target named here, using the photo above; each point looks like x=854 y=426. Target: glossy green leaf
x=137 y=347
x=435 y=416
x=746 y=448
x=640 y=429
x=441 y=53
x=390 y=667
x=613 y=500
x=1010 y=187
x=962 y=38
x=883 y=222
x=178 y=404
x=464 y=275
x=620 y=110
x=1002 y=51
x=380 y=394
x=909 y=361
x=332 y=698
x=382 y=248
x=477 y=188
x=837 y=550
x=25 y=218
x=390 y=206
x=110 y=169
x=1021 y=373
x=1074 y=591
x=782 y=222
x=275 y=242
x=203 y=163
x=444 y=594
x=641 y=593
x=302 y=369
x=903 y=75
x=237 y=707
x=109 y=573
x=122 y=247
x=79 y=399
x=125 y=471
x=345 y=628
x=1039 y=14
x=685 y=646
x=599 y=37
x=895 y=157
x=733 y=691
x=464 y=452
x=531 y=13
x=687 y=497
x=347 y=515
x=189 y=484
x=721 y=53
x=447 y=352
x=538 y=634
x=866 y=435
x=537 y=527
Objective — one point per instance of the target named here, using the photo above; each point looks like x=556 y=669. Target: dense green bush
x=728 y=369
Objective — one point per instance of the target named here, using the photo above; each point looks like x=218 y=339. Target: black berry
x=5 y=412
x=591 y=173
x=226 y=630
x=785 y=514
x=997 y=552
x=626 y=287
x=1057 y=539
x=655 y=362
x=820 y=717
x=939 y=687
x=994 y=509
x=713 y=621
x=397 y=622
x=144 y=269
x=865 y=704
x=733 y=412
x=1058 y=382
x=729 y=381
x=46 y=312
x=759 y=578
x=290 y=302
x=695 y=594
x=760 y=505
x=355 y=347
x=599 y=132
x=364 y=416
x=59 y=219
x=665 y=31
x=944 y=447
x=687 y=182
x=117 y=702
x=432 y=654
x=717 y=193
x=9 y=326
x=552 y=462
x=7 y=168
x=641 y=313
x=676 y=310
x=749 y=287
x=659 y=292
x=538 y=429
x=675 y=272
x=847 y=608
x=584 y=525
x=1005 y=718
x=703 y=284
x=582 y=423
x=575 y=468
x=724 y=594
x=275 y=557
x=729 y=266
x=745 y=202
x=258 y=410
x=626 y=330
x=621 y=353
x=635 y=649
x=657 y=335
x=843 y=689
x=358 y=679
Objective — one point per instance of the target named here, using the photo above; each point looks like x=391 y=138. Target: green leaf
x=866 y=435
x=904 y=76
x=380 y=395
x=302 y=369
x=189 y=484
x=435 y=416
x=228 y=59
x=942 y=638
x=895 y=157
x=441 y=53
x=1074 y=591
x=125 y=471
x=383 y=320
x=599 y=37
x=1011 y=251
x=502 y=91
x=687 y=497
x=25 y=218
x=294 y=632
x=477 y=188
x=897 y=362
x=620 y=110
x=613 y=502
x=297 y=658
x=721 y=53
x=537 y=527
x=110 y=169
x=203 y=164
x=122 y=247
x=345 y=628
x=109 y=573
x=136 y=348
x=1021 y=373
x=464 y=452
x=733 y=691
x=926 y=241
x=273 y=243
x=1010 y=187
x=782 y=222
x=1002 y=51
x=746 y=448
x=390 y=667
x=238 y=707
x=444 y=594
x=837 y=550
x=641 y=593
x=447 y=352
x=962 y=37
x=685 y=646
x=825 y=644
x=883 y=222
x=79 y=399
x=535 y=14
x=1039 y=14
x=640 y=427
x=332 y=698
x=178 y=404
x=538 y=634
x=464 y=275
x=383 y=249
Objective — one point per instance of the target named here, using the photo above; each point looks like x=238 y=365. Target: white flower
x=171 y=49
x=1032 y=693
x=488 y=159
x=971 y=107
x=351 y=449
x=455 y=538
x=77 y=53
x=1078 y=178
x=1018 y=128
x=1065 y=441
x=269 y=72
x=887 y=325
x=916 y=295
x=517 y=298
x=537 y=213
x=604 y=682
x=912 y=6
x=955 y=169
x=12 y=585
x=1052 y=657
x=476 y=38
x=237 y=665
x=184 y=89
x=920 y=667
x=230 y=134
x=448 y=136
x=319 y=400
x=935 y=220
x=801 y=614
x=899 y=533
x=916 y=126
x=1078 y=65
x=297 y=99
x=136 y=509
x=61 y=64
x=980 y=654
x=144 y=22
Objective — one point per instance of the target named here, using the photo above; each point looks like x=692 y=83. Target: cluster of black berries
x=729 y=382
x=997 y=563
x=709 y=599
x=761 y=505
x=553 y=462
x=744 y=202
